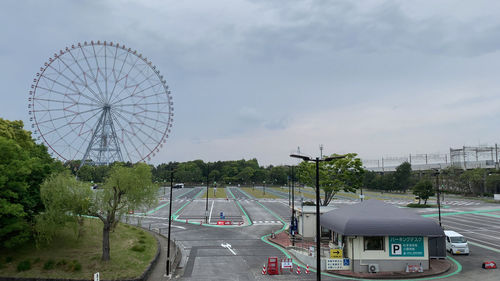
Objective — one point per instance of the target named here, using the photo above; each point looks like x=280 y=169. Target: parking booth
x=373 y=236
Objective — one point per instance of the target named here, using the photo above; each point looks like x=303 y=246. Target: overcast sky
x=261 y=78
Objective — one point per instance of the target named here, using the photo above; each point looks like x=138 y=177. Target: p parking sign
x=406 y=246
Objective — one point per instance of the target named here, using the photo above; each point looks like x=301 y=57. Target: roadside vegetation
x=43 y=209
x=74 y=256
x=452 y=180
x=220 y=192
x=259 y=192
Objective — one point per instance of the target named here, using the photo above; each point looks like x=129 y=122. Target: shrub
x=37 y=260
x=24 y=265
x=416 y=205
x=9 y=259
x=62 y=262
x=138 y=248
x=141 y=241
x=75 y=266
x=49 y=264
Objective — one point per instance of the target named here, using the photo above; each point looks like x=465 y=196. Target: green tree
x=339 y=174
x=423 y=189
x=23 y=167
x=14 y=173
x=188 y=172
x=402 y=176
x=246 y=174
x=472 y=181
x=493 y=183
x=125 y=189
x=66 y=200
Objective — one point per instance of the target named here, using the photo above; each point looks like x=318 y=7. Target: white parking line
x=211 y=209
x=463 y=230
x=474 y=217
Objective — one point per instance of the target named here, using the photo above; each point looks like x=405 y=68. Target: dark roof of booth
x=376 y=218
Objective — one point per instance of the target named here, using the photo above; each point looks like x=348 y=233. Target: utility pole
x=293 y=210
x=170 y=220
x=321 y=151
x=206 y=201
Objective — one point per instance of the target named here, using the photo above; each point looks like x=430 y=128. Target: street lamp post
x=206 y=201
x=170 y=220
x=318 y=226
x=438 y=196
x=264 y=187
x=293 y=210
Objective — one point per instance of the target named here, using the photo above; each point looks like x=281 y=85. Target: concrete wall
x=388 y=265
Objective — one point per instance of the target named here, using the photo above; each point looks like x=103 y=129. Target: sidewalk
x=437 y=267
x=159 y=269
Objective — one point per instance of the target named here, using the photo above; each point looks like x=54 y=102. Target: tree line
x=474 y=182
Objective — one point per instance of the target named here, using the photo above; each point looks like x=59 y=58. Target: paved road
x=214 y=253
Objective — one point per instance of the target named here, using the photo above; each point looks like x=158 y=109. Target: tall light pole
x=293 y=210
x=438 y=195
x=318 y=226
x=206 y=201
x=170 y=219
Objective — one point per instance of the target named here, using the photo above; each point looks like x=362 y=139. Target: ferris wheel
x=101 y=102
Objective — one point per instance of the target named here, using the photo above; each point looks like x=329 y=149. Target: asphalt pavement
x=239 y=252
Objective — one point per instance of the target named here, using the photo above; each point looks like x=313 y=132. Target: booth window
x=374 y=243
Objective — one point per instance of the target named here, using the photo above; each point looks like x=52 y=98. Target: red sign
x=224 y=222
x=489 y=265
x=272 y=266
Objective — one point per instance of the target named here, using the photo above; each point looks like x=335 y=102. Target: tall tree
x=402 y=176
x=423 y=189
x=66 y=200
x=339 y=174
x=14 y=172
x=125 y=189
x=23 y=167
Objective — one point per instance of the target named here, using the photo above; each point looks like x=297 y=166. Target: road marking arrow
x=228 y=246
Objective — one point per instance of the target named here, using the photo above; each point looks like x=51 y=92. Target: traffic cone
x=298 y=269
x=264 y=269
x=307 y=269
x=186 y=221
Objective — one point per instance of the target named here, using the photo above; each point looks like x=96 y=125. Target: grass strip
x=258 y=193
x=220 y=192
x=69 y=257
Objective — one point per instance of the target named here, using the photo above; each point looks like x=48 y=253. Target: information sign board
x=406 y=246
x=334 y=264
x=286 y=264
x=336 y=254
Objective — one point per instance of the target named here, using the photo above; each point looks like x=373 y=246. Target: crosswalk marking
x=266 y=222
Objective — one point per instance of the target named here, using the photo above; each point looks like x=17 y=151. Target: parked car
x=456 y=243
x=179 y=185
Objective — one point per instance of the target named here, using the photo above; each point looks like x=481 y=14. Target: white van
x=456 y=243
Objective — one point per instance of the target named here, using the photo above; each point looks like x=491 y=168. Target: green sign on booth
x=406 y=246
